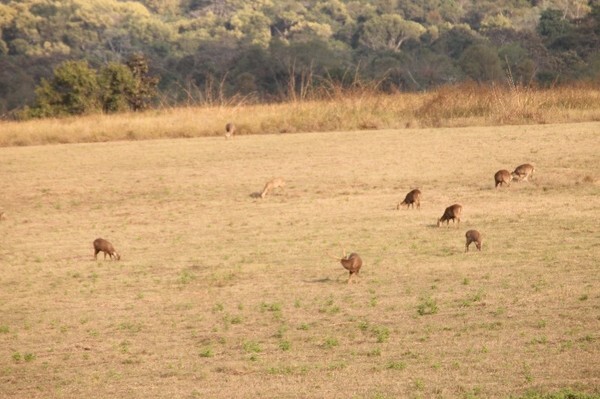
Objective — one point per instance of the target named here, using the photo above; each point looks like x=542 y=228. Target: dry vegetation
x=221 y=295
x=333 y=110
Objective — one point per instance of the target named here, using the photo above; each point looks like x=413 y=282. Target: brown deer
x=501 y=177
x=453 y=213
x=272 y=184
x=2 y=216
x=523 y=172
x=101 y=244
x=412 y=198
x=229 y=131
x=351 y=262
x=473 y=236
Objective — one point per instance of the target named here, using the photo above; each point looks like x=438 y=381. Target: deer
x=100 y=244
x=473 y=236
x=523 y=172
x=272 y=184
x=351 y=262
x=2 y=215
x=501 y=177
x=412 y=198
x=229 y=131
x=453 y=213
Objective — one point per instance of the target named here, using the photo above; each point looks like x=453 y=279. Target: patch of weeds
x=124 y=346
x=236 y=319
x=541 y=340
x=373 y=302
x=251 y=347
x=281 y=331
x=303 y=327
x=527 y=374
x=381 y=333
x=337 y=365
x=583 y=297
x=131 y=327
x=271 y=307
x=473 y=394
x=499 y=312
x=4 y=329
x=218 y=307
x=285 y=345
x=375 y=352
x=419 y=384
x=363 y=325
x=297 y=303
x=562 y=394
x=428 y=306
x=541 y=324
x=396 y=365
x=477 y=297
x=330 y=342
x=206 y=352
x=16 y=357
x=186 y=277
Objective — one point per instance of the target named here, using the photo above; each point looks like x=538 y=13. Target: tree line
x=55 y=53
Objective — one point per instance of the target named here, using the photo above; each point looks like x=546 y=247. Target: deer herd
x=353 y=261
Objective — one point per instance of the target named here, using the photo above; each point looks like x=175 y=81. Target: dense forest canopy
x=202 y=50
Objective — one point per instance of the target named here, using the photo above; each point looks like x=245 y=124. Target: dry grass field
x=222 y=295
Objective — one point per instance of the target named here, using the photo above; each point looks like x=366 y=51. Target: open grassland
x=222 y=295
x=332 y=110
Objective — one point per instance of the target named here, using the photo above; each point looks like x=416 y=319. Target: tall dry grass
x=334 y=109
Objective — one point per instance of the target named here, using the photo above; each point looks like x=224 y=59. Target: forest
x=160 y=53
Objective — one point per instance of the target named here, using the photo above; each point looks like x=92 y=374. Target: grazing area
x=221 y=294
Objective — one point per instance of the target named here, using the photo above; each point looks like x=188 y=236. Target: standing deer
x=473 y=236
x=101 y=244
x=523 y=172
x=2 y=216
x=412 y=198
x=229 y=131
x=453 y=213
x=272 y=184
x=501 y=177
x=352 y=263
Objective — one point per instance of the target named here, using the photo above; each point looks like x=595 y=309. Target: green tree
x=481 y=63
x=117 y=85
x=72 y=91
x=145 y=87
x=553 y=24
x=389 y=31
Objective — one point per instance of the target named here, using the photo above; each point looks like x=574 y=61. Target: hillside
x=203 y=51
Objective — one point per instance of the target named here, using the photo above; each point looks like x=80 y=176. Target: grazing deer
x=473 y=236
x=352 y=263
x=101 y=244
x=453 y=213
x=412 y=198
x=229 y=131
x=501 y=177
x=272 y=184
x=523 y=172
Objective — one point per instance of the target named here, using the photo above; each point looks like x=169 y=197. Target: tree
x=72 y=91
x=144 y=89
x=117 y=85
x=553 y=24
x=388 y=32
x=481 y=63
